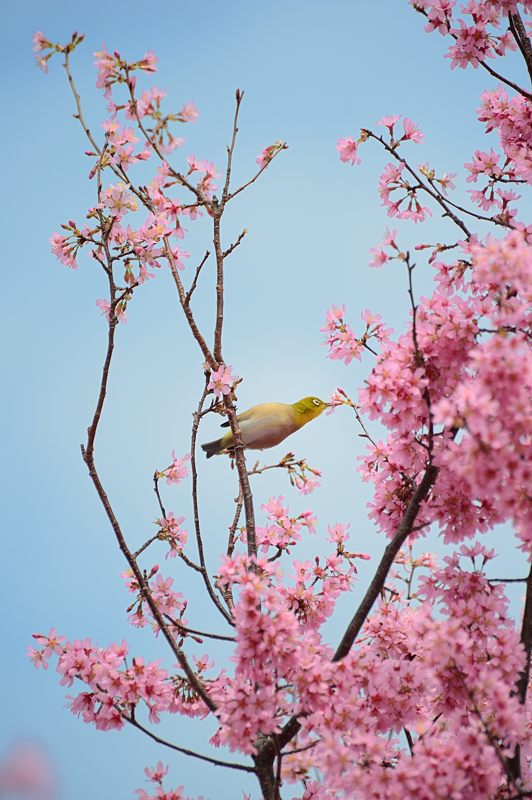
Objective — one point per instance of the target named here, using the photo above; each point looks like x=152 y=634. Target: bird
x=267 y=424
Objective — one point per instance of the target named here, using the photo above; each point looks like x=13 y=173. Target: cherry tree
x=426 y=693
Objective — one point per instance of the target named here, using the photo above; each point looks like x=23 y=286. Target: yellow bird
x=268 y=424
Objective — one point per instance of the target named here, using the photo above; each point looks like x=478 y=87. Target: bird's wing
x=243 y=416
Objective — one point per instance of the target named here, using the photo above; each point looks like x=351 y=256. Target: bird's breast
x=267 y=428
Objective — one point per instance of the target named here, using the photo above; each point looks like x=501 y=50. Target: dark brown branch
x=300 y=749
x=144 y=546
x=218 y=636
x=79 y=113
x=257 y=175
x=239 y=94
x=410 y=740
x=186 y=306
x=196 y=276
x=235 y=244
x=232 y=528
x=523 y=42
x=217 y=350
x=390 y=553
x=507 y=81
x=526 y=639
x=245 y=488
x=524 y=677
x=481 y=217
x=216 y=761
x=197 y=526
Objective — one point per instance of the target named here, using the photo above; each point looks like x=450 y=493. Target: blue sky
x=312 y=72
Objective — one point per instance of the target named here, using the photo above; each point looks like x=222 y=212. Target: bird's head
x=309 y=407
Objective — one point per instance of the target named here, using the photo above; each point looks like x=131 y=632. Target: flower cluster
x=477 y=34
x=392 y=183
x=170 y=531
x=269 y=153
x=342 y=342
x=114 y=688
x=286 y=530
x=177 y=471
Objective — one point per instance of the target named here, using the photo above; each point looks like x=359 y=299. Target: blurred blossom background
x=312 y=72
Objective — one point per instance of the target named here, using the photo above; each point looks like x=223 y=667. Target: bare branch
x=239 y=94
x=235 y=244
x=187 y=630
x=197 y=526
x=185 y=750
x=523 y=42
x=196 y=276
x=257 y=175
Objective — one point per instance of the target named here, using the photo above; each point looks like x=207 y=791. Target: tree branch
x=185 y=750
x=197 y=526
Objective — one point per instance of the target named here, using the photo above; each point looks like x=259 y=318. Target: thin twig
x=422 y=185
x=196 y=276
x=195 y=504
x=239 y=94
x=410 y=741
x=243 y=477
x=232 y=528
x=185 y=750
x=220 y=637
x=143 y=547
x=256 y=176
x=300 y=749
x=235 y=244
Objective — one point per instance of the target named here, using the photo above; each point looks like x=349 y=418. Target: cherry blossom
x=222 y=381
x=424 y=694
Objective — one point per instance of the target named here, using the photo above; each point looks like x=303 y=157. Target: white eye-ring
x=316 y=402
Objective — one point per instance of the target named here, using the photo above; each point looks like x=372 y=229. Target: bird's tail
x=212 y=448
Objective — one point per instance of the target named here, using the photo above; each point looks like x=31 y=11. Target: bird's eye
x=316 y=402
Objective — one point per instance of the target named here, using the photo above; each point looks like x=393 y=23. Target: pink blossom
x=347 y=150
x=157 y=773
x=178 y=470
x=105 y=307
x=40 y=45
x=170 y=531
x=148 y=62
x=266 y=155
x=380 y=256
x=389 y=121
x=189 y=112
x=222 y=381
x=118 y=200
x=64 y=249
x=411 y=132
